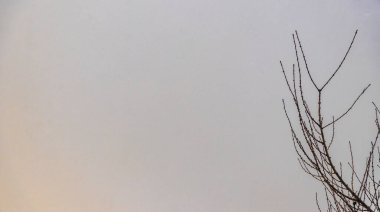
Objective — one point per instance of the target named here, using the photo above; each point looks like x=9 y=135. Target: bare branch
x=348 y=110
x=342 y=61
x=342 y=193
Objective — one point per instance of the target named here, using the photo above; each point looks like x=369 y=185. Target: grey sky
x=166 y=106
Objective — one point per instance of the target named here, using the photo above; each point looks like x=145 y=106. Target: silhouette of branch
x=358 y=192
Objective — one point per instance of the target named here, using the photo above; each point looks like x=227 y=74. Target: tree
x=347 y=188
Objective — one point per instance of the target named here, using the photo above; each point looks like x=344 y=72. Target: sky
x=166 y=106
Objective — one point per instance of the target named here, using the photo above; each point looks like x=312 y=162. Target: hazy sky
x=169 y=105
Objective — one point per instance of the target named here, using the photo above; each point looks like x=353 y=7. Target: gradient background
x=170 y=105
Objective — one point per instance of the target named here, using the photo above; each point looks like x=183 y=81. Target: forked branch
x=343 y=192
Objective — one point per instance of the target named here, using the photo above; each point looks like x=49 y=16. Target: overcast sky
x=170 y=105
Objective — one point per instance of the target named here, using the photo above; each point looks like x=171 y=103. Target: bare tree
x=347 y=188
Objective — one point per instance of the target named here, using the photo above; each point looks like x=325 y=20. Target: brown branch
x=342 y=61
x=313 y=149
